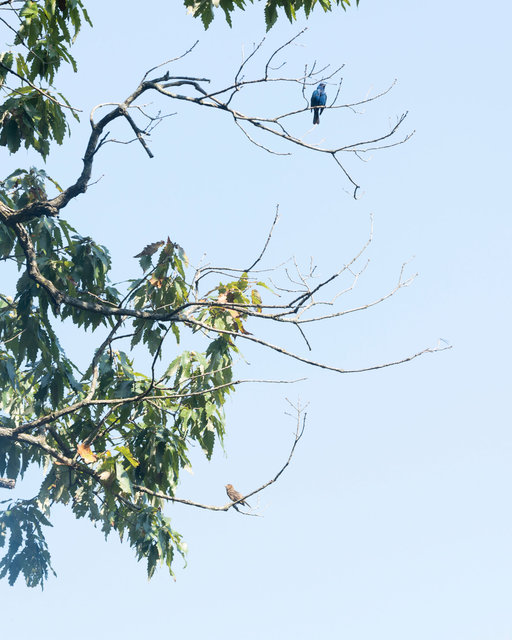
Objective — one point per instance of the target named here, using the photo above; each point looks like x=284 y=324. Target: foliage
x=27 y=551
x=136 y=432
x=33 y=112
x=205 y=9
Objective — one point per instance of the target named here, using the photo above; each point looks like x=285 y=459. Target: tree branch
x=271 y=126
x=301 y=425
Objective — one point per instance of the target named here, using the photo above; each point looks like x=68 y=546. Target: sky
x=393 y=520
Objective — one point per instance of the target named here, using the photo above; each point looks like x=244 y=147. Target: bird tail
x=316 y=116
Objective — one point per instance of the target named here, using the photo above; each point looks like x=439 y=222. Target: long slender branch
x=276 y=218
x=320 y=365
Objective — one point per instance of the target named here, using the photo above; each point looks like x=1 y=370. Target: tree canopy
x=112 y=438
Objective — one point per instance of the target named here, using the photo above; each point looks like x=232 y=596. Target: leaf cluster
x=33 y=111
x=204 y=9
x=113 y=437
x=21 y=522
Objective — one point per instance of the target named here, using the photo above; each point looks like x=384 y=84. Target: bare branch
x=269 y=126
x=286 y=44
x=246 y=60
x=258 y=144
x=163 y=64
x=320 y=365
x=138 y=132
x=276 y=218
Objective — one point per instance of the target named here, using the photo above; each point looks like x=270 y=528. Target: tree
x=113 y=440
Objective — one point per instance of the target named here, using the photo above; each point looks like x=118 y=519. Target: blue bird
x=318 y=100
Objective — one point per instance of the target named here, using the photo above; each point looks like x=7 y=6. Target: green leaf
x=10 y=136
x=176 y=332
x=206 y=13
x=6 y=61
x=123 y=479
x=145 y=262
x=128 y=455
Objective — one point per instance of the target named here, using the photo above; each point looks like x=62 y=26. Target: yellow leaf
x=156 y=282
x=85 y=451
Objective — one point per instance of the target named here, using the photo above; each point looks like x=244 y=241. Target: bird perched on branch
x=234 y=495
x=318 y=100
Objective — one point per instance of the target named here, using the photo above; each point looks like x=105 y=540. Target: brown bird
x=234 y=495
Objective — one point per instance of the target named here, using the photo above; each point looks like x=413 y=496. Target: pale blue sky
x=394 y=520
